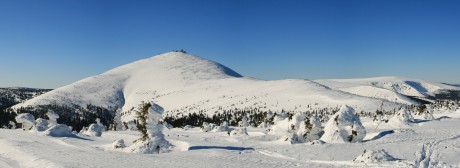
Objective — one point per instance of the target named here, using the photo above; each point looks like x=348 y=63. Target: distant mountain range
x=183 y=83
x=12 y=96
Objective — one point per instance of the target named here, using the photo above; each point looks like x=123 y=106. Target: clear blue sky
x=51 y=43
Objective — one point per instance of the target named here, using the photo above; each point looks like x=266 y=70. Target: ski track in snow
x=426 y=157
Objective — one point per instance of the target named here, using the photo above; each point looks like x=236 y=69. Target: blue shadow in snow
x=442 y=118
x=420 y=121
x=219 y=147
x=382 y=134
x=71 y=136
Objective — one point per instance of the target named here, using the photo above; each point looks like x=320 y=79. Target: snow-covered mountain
x=396 y=89
x=180 y=82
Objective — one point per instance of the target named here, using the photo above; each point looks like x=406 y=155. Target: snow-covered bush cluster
x=46 y=127
x=299 y=128
x=210 y=127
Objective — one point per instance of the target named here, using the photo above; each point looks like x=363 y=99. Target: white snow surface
x=433 y=143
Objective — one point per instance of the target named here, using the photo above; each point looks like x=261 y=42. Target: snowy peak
x=180 y=64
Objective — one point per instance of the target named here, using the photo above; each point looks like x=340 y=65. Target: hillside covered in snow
x=183 y=83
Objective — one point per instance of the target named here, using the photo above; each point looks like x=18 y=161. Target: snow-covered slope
x=184 y=83
x=180 y=82
x=396 y=89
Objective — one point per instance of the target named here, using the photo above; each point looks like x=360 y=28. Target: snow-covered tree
x=344 y=126
x=12 y=125
x=117 y=124
x=401 y=119
x=222 y=128
x=52 y=116
x=244 y=122
x=206 y=127
x=151 y=128
x=27 y=120
x=310 y=130
x=263 y=125
x=240 y=131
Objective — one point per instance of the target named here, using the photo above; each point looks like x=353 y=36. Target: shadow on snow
x=219 y=147
x=380 y=135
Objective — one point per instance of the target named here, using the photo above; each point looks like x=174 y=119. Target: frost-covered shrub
x=240 y=131
x=59 y=130
x=117 y=144
x=149 y=124
x=41 y=124
x=316 y=142
x=187 y=127
x=344 y=126
x=94 y=130
x=401 y=119
x=298 y=129
x=291 y=138
x=117 y=123
x=373 y=156
x=12 y=125
x=222 y=128
x=428 y=115
x=27 y=120
x=244 y=122
x=52 y=117
x=310 y=130
x=263 y=125
x=206 y=127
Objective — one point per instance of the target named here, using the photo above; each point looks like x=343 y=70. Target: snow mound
x=374 y=156
x=117 y=144
x=58 y=130
x=344 y=126
x=41 y=124
x=27 y=120
x=94 y=130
